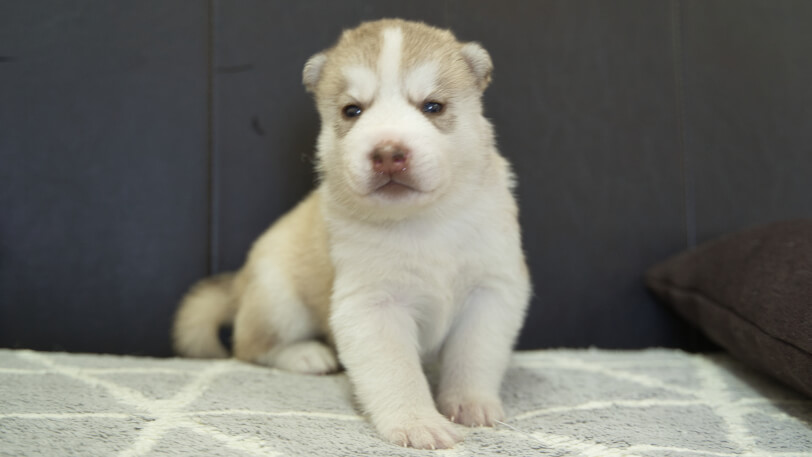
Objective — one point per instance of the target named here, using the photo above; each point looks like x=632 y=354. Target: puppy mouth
x=393 y=188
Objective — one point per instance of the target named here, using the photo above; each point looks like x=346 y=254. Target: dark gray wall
x=103 y=170
x=146 y=144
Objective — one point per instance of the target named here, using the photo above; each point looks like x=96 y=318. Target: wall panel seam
x=688 y=179
x=213 y=184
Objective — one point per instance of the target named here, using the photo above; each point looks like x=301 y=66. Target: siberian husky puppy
x=408 y=248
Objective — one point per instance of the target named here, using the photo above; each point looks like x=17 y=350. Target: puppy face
x=401 y=115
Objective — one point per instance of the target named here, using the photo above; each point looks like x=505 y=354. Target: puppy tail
x=205 y=308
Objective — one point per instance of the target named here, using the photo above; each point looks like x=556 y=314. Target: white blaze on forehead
x=421 y=81
x=389 y=60
x=361 y=83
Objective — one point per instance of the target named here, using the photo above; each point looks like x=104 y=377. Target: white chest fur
x=428 y=266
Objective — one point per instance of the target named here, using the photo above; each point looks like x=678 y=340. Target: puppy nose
x=389 y=158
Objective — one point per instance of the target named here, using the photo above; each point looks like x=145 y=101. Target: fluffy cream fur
x=388 y=268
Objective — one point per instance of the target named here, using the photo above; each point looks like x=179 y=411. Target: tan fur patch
x=252 y=337
x=298 y=241
x=421 y=43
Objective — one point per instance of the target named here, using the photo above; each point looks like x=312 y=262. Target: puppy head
x=402 y=124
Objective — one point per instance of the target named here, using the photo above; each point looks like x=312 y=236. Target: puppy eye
x=432 y=107
x=351 y=111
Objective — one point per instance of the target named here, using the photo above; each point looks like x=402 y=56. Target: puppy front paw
x=431 y=432
x=472 y=410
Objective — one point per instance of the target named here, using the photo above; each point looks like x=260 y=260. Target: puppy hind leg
x=254 y=335
x=274 y=328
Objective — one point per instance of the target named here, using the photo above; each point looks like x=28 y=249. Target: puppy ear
x=479 y=61
x=312 y=71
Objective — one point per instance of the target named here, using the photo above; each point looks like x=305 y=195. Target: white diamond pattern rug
x=591 y=403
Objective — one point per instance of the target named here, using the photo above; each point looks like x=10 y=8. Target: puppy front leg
x=377 y=343
x=476 y=354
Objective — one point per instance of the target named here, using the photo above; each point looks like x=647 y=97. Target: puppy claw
x=428 y=433
x=472 y=411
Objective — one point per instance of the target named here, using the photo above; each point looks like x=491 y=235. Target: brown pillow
x=750 y=292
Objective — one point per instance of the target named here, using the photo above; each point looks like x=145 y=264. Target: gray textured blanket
x=559 y=403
